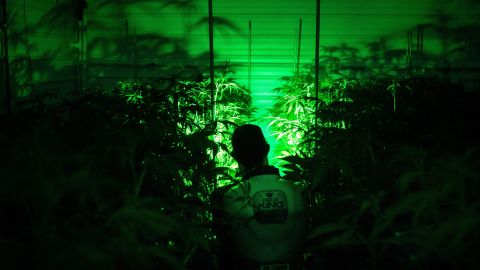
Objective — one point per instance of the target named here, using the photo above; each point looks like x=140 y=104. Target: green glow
x=148 y=38
x=172 y=29
x=116 y=178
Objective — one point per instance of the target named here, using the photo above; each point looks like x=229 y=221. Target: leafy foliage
x=118 y=178
x=393 y=174
x=293 y=114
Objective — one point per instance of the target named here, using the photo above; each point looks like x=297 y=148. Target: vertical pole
x=85 y=52
x=212 y=61
x=128 y=45
x=82 y=5
x=299 y=46
x=126 y=29
x=79 y=7
x=317 y=62
x=80 y=56
x=421 y=48
x=417 y=50
x=421 y=40
x=135 y=53
x=27 y=46
x=77 y=58
x=6 y=62
x=212 y=79
x=409 y=51
x=250 y=55
x=82 y=50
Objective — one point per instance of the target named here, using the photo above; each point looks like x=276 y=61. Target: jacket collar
x=261 y=171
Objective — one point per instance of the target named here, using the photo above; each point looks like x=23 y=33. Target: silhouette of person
x=261 y=221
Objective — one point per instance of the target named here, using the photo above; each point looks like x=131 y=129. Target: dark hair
x=249 y=145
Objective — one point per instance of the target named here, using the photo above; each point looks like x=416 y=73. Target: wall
x=41 y=53
x=161 y=38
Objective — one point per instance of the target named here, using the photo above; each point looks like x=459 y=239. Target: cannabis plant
x=114 y=178
x=393 y=176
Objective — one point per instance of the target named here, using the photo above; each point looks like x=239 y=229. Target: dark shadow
x=20 y=64
x=61 y=16
x=120 y=57
x=182 y=4
x=223 y=25
x=459 y=57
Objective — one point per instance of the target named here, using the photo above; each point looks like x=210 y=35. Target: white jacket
x=267 y=218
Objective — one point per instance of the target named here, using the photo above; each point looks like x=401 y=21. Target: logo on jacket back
x=270 y=206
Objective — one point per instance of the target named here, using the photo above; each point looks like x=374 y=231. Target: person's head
x=250 y=149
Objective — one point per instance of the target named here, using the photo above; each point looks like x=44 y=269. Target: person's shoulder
x=292 y=184
x=223 y=189
x=218 y=198
x=218 y=194
x=228 y=190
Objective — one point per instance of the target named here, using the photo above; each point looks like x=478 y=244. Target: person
x=261 y=222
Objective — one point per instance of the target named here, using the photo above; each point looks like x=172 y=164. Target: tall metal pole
x=135 y=71
x=317 y=60
x=28 y=47
x=299 y=45
x=212 y=61
x=409 y=52
x=418 y=40
x=84 y=51
x=250 y=55
x=80 y=6
x=212 y=80
x=419 y=50
x=6 y=61
x=81 y=50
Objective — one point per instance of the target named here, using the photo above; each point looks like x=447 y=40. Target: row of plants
x=120 y=178
x=392 y=169
x=116 y=178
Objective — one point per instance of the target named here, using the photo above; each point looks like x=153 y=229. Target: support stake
x=212 y=61
x=6 y=61
x=299 y=46
x=317 y=64
x=250 y=55
x=212 y=81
